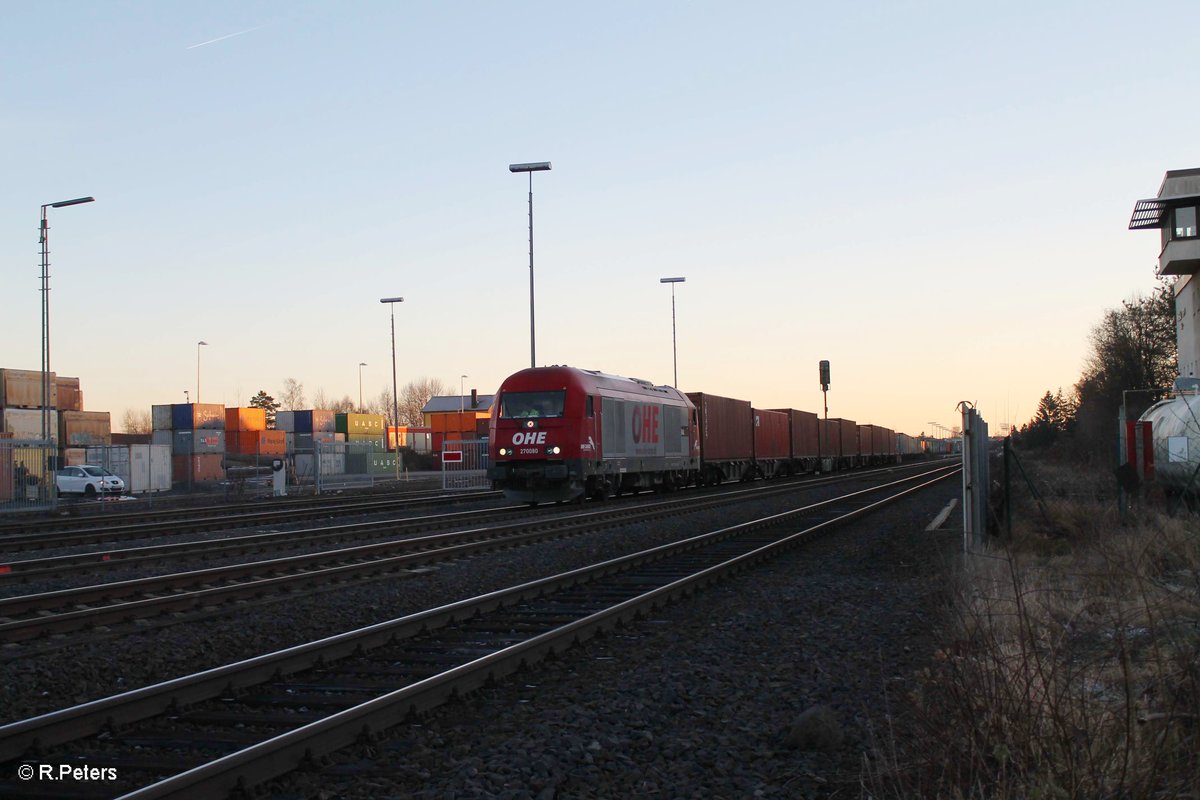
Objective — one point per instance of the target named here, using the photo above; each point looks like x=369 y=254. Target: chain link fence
x=27 y=475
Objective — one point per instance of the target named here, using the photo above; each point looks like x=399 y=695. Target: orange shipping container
x=245 y=419
x=83 y=428
x=249 y=443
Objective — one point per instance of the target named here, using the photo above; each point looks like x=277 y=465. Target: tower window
x=1185 y=222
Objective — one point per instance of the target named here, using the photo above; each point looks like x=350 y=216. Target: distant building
x=1175 y=213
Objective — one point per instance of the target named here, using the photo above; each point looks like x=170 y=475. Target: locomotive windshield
x=521 y=405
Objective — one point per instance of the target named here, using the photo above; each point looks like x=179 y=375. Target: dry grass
x=1071 y=665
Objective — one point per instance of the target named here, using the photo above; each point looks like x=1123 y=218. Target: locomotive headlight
x=555 y=451
x=503 y=451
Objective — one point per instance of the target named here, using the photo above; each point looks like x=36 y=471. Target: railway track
x=184 y=596
x=49 y=532
x=243 y=724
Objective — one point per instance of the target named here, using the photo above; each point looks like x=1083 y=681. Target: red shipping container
x=771 y=434
x=726 y=427
x=805 y=434
x=204 y=468
x=839 y=438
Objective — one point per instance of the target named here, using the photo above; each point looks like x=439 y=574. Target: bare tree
x=320 y=400
x=383 y=405
x=344 y=406
x=292 y=396
x=136 y=421
x=413 y=397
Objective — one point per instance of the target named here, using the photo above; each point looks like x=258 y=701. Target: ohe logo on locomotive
x=533 y=437
x=645 y=424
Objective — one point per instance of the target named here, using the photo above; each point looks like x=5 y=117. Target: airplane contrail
x=222 y=38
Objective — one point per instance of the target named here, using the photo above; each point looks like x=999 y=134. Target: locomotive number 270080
x=530 y=450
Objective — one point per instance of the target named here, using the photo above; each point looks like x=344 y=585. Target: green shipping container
x=382 y=464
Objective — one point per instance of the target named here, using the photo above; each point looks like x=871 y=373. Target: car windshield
x=97 y=472
x=520 y=405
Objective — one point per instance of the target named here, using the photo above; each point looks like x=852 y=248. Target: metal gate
x=465 y=464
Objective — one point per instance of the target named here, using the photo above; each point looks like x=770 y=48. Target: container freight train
x=560 y=433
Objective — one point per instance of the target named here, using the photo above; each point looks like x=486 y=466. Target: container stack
x=367 y=452
x=246 y=433
x=196 y=433
x=21 y=404
x=305 y=428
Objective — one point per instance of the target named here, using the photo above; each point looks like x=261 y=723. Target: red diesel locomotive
x=558 y=433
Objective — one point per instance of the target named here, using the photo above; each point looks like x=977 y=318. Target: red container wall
x=805 y=430
x=771 y=434
x=849 y=434
x=866 y=440
x=884 y=441
x=197 y=469
x=726 y=427
x=839 y=439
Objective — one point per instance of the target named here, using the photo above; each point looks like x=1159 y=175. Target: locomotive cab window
x=530 y=405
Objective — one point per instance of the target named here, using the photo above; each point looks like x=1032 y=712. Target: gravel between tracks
x=702 y=700
x=699 y=710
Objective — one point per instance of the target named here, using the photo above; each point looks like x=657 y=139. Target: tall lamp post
x=536 y=166
x=361 y=364
x=44 y=241
x=198 y=346
x=391 y=302
x=461 y=403
x=674 y=352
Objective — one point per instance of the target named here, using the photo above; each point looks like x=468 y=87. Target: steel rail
x=365 y=560
x=86 y=719
x=107 y=529
x=414 y=552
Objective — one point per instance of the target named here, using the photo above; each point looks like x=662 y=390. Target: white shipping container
x=114 y=458
x=150 y=468
x=26 y=423
x=331 y=464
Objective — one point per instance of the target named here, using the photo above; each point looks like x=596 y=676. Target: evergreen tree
x=267 y=403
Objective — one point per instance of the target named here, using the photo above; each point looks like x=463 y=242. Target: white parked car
x=88 y=480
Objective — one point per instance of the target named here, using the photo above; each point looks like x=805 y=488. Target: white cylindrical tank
x=1175 y=426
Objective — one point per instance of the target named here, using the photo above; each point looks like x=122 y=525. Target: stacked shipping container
x=246 y=433
x=196 y=434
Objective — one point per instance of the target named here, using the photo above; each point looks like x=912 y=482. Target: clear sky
x=933 y=196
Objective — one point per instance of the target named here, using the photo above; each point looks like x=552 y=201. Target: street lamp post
x=674 y=352
x=391 y=302
x=361 y=364
x=198 y=346
x=536 y=166
x=461 y=402
x=44 y=241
